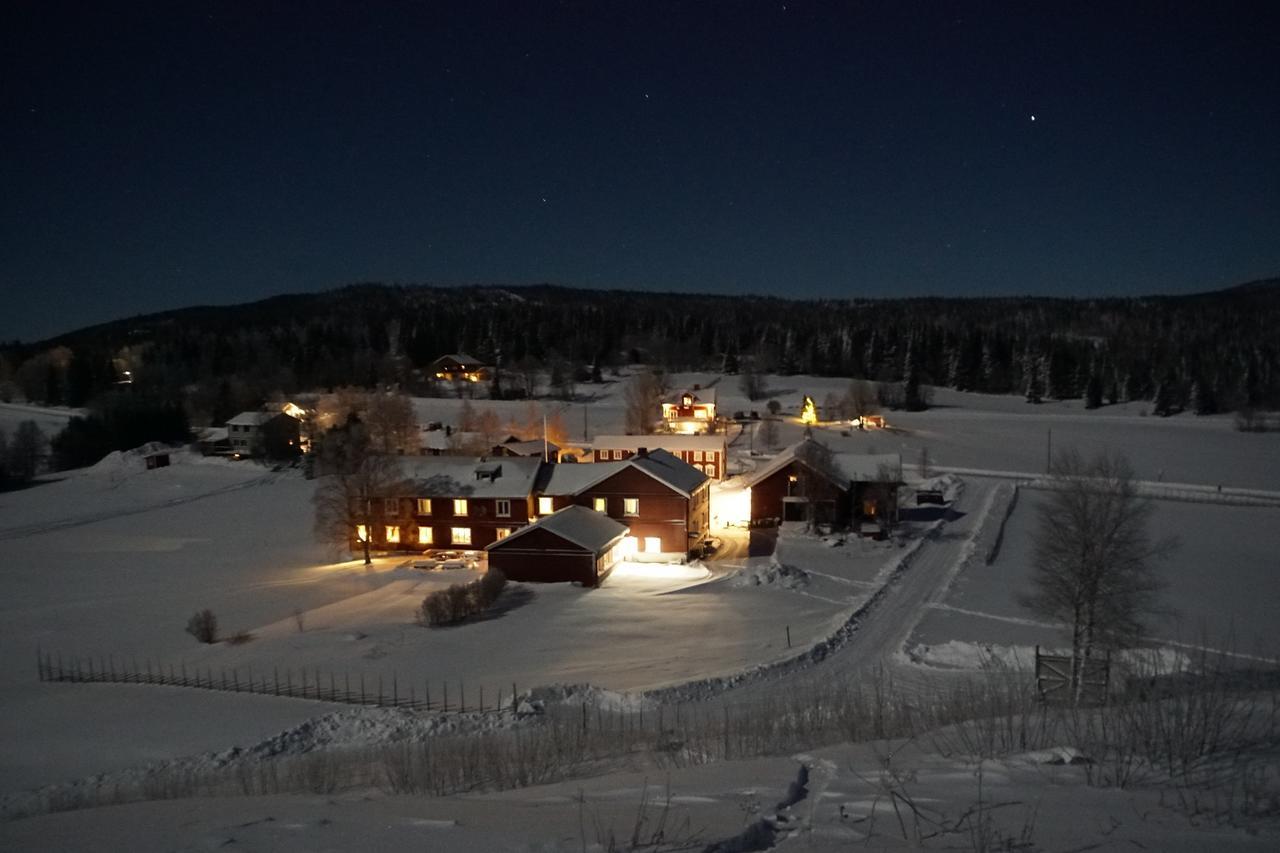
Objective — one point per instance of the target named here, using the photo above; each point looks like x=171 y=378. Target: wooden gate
x=1053 y=679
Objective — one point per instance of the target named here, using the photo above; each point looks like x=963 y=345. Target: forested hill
x=1208 y=352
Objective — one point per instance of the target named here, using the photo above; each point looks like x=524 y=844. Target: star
x=1033 y=118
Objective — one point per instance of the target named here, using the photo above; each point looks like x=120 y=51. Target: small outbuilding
x=572 y=544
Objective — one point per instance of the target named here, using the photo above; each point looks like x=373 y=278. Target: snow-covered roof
x=212 y=434
x=435 y=439
x=452 y=476
x=699 y=395
x=584 y=527
x=665 y=441
x=659 y=464
x=459 y=358
x=251 y=418
x=852 y=467
x=530 y=448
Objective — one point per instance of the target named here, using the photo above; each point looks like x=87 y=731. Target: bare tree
x=392 y=424
x=769 y=432
x=643 y=401
x=352 y=477
x=1095 y=558
x=752 y=383
x=861 y=398
x=27 y=447
x=816 y=475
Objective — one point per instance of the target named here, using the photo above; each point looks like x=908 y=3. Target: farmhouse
x=452 y=503
x=537 y=447
x=704 y=452
x=686 y=413
x=808 y=481
x=571 y=544
x=274 y=435
x=460 y=367
x=664 y=501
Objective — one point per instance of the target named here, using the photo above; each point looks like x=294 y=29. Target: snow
x=581 y=526
x=113 y=559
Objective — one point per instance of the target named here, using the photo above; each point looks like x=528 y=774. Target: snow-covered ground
x=50 y=419
x=113 y=560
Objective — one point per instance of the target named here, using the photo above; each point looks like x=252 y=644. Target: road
x=888 y=621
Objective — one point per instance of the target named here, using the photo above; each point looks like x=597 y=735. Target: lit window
x=502 y=532
x=459 y=506
x=460 y=535
x=546 y=506
x=362 y=533
x=393 y=534
x=504 y=508
x=424 y=536
x=424 y=506
x=390 y=506
x=630 y=506
x=697 y=456
x=600 y=504
x=652 y=545
x=617 y=454
x=629 y=546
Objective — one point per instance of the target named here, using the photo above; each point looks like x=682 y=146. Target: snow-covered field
x=113 y=560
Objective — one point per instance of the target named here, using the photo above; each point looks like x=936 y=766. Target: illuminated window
x=503 y=508
x=393 y=534
x=424 y=506
x=362 y=533
x=459 y=506
x=652 y=545
x=630 y=506
x=701 y=413
x=503 y=532
x=460 y=535
x=546 y=506
x=629 y=546
x=617 y=454
x=600 y=504
x=424 y=536
x=390 y=506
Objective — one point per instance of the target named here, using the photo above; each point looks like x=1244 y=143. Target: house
x=687 y=413
x=537 y=447
x=808 y=481
x=214 y=441
x=460 y=367
x=450 y=502
x=572 y=544
x=664 y=501
x=707 y=453
x=273 y=435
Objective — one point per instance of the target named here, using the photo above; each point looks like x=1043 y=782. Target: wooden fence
x=302 y=683
x=1056 y=686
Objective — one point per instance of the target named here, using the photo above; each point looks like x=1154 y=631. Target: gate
x=1053 y=679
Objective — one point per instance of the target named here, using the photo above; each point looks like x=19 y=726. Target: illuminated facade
x=688 y=414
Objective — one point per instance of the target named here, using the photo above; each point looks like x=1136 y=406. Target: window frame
x=456 y=539
x=631 y=507
x=424 y=502
x=502 y=508
x=460 y=508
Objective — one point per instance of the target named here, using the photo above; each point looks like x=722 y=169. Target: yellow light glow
x=630 y=545
x=733 y=508
x=362 y=533
x=293 y=410
x=809 y=414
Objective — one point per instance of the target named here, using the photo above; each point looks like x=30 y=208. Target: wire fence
x=302 y=683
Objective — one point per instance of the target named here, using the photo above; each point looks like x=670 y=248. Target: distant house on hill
x=704 y=452
x=846 y=490
x=271 y=435
x=688 y=413
x=460 y=367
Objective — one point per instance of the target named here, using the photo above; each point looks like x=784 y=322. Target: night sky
x=197 y=153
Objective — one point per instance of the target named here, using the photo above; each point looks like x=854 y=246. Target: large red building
x=707 y=453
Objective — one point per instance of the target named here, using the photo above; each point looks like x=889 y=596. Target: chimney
x=642 y=452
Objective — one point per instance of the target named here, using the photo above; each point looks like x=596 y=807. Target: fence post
x=584 y=718
x=333 y=693
x=462 y=697
x=183 y=664
x=39 y=664
x=380 y=690
x=413 y=702
x=395 y=690
x=481 y=698
x=346 y=686
x=91 y=668
x=427 y=686
x=362 y=689
x=276 y=672
x=446 y=696
x=137 y=673
x=513 y=696
x=250 y=677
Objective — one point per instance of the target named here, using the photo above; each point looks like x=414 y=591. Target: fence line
x=311 y=684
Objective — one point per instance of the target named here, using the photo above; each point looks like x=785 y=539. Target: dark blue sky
x=155 y=157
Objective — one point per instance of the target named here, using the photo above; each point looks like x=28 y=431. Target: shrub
x=203 y=625
x=446 y=606
x=493 y=583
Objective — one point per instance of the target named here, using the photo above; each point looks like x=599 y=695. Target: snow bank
x=958 y=654
x=773 y=573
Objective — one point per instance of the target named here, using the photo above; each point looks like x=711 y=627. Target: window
x=617 y=454
x=630 y=506
x=460 y=535
x=424 y=536
x=546 y=506
x=600 y=504
x=459 y=506
x=652 y=545
x=502 y=532
x=424 y=506
x=390 y=506
x=393 y=534
x=629 y=546
x=697 y=456
x=503 y=508
x=362 y=533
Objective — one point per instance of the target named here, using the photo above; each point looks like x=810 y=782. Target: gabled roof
x=529 y=448
x=850 y=467
x=665 y=441
x=254 y=418
x=459 y=358
x=460 y=477
x=699 y=395
x=667 y=469
x=584 y=527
